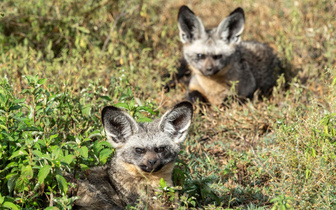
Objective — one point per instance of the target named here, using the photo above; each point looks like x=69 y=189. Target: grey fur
x=145 y=154
x=217 y=58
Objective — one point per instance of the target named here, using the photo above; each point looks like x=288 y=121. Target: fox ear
x=189 y=24
x=176 y=121
x=231 y=27
x=118 y=125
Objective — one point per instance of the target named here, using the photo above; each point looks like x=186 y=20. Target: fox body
x=145 y=153
x=218 y=59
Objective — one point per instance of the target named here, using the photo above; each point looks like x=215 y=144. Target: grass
x=62 y=61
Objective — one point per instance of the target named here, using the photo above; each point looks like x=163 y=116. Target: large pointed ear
x=118 y=125
x=189 y=24
x=176 y=121
x=231 y=27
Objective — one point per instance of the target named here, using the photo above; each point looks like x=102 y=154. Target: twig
x=51 y=201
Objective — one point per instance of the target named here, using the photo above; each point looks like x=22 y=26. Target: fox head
x=209 y=51
x=149 y=146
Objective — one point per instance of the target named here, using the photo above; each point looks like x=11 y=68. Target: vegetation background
x=61 y=61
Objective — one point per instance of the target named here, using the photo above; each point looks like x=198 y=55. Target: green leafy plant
x=7 y=203
x=282 y=202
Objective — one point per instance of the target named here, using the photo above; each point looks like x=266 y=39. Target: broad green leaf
x=27 y=172
x=3 y=98
x=15 y=107
x=21 y=100
x=2 y=198
x=3 y=127
x=83 y=151
x=43 y=173
x=18 y=153
x=11 y=165
x=10 y=205
x=107 y=98
x=53 y=136
x=104 y=154
x=163 y=183
x=144 y=119
x=7 y=137
x=29 y=78
x=145 y=108
x=51 y=208
x=12 y=182
x=41 y=142
x=38 y=153
x=21 y=183
x=85 y=140
x=122 y=105
x=56 y=163
x=42 y=81
x=62 y=184
x=56 y=151
x=25 y=91
x=99 y=145
x=68 y=158
x=84 y=167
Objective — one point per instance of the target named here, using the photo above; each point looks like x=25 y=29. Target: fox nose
x=152 y=162
x=209 y=69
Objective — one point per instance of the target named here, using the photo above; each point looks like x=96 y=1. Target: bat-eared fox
x=218 y=59
x=145 y=153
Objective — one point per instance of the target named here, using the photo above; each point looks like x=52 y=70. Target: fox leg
x=195 y=95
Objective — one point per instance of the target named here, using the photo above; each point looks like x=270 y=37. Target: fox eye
x=140 y=150
x=216 y=57
x=159 y=150
x=200 y=56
